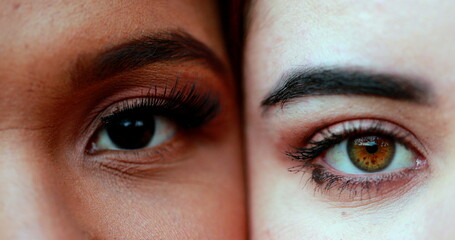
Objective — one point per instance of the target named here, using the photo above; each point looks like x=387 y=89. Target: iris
x=371 y=153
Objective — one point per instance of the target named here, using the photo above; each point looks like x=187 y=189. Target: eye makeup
x=337 y=169
x=185 y=106
x=142 y=128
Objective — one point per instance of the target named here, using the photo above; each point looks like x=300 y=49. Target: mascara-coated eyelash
x=186 y=106
x=371 y=166
x=148 y=121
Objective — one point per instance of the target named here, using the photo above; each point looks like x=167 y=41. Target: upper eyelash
x=187 y=106
x=316 y=148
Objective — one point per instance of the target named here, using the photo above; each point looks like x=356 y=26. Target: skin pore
x=72 y=69
x=320 y=75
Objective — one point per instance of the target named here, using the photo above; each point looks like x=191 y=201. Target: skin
x=399 y=37
x=51 y=187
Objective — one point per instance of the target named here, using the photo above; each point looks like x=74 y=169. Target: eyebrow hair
x=339 y=81
x=171 y=46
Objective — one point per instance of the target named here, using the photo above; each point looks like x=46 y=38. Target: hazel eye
x=370 y=154
x=132 y=130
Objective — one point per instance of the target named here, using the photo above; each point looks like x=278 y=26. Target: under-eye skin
x=147 y=122
x=361 y=159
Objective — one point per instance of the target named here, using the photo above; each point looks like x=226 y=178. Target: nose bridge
x=30 y=205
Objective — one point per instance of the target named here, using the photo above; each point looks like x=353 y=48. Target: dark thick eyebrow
x=339 y=81
x=170 y=46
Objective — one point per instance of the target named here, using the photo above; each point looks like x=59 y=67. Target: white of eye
x=164 y=130
x=338 y=158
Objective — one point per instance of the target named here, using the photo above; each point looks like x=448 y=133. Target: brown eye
x=132 y=130
x=371 y=153
x=366 y=148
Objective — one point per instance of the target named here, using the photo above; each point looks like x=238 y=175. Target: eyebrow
x=170 y=46
x=339 y=81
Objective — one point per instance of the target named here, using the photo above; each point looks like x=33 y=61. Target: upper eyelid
x=169 y=98
x=161 y=105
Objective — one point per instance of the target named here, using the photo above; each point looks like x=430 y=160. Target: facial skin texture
x=190 y=187
x=403 y=38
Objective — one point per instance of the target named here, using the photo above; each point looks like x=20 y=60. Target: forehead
x=396 y=36
x=57 y=18
x=39 y=34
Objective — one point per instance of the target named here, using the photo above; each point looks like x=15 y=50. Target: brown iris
x=371 y=153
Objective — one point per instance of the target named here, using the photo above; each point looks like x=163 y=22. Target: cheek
x=202 y=194
x=435 y=210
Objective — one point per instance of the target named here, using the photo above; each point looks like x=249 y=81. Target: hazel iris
x=371 y=153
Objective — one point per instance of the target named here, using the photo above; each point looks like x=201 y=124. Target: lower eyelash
x=356 y=186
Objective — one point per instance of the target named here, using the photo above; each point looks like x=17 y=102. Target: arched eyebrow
x=170 y=46
x=339 y=81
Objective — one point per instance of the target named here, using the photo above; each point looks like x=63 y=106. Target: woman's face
x=117 y=121
x=349 y=113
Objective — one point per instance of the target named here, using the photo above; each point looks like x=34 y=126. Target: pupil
x=372 y=148
x=131 y=132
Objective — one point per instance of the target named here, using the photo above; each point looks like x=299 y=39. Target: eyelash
x=187 y=106
x=326 y=180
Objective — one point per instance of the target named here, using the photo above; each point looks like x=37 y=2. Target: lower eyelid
x=143 y=162
x=361 y=193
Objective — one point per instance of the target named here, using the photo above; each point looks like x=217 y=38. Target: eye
x=369 y=154
x=361 y=155
x=133 y=129
x=149 y=121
